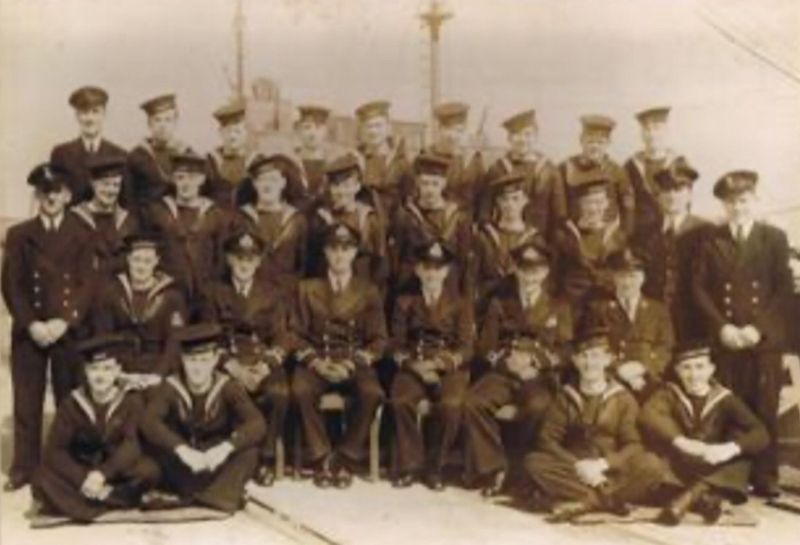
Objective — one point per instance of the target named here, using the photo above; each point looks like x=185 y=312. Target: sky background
x=562 y=57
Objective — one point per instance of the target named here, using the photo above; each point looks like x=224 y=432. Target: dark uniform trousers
x=73 y=157
x=540 y=330
x=84 y=438
x=577 y=428
x=744 y=283
x=442 y=330
x=485 y=451
x=174 y=417
x=45 y=276
x=348 y=324
x=261 y=317
x=364 y=388
x=718 y=417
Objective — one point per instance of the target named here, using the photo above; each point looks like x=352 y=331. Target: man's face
x=592 y=362
x=655 y=135
x=339 y=257
x=675 y=201
x=695 y=374
x=53 y=203
x=531 y=276
x=453 y=137
x=740 y=208
x=142 y=263
x=593 y=207
x=343 y=192
x=628 y=283
x=163 y=125
x=430 y=188
x=269 y=185
x=234 y=136
x=243 y=266
x=594 y=146
x=188 y=183
x=523 y=141
x=511 y=204
x=90 y=120
x=312 y=134
x=199 y=366
x=102 y=374
x=431 y=276
x=375 y=130
x=106 y=190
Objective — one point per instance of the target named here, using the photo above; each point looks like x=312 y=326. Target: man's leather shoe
x=15 y=482
x=434 y=481
x=265 y=476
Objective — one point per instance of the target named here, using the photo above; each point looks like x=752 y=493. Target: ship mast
x=433 y=20
x=238 y=28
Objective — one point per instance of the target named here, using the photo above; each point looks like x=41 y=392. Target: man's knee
x=452 y=404
x=537 y=463
x=370 y=392
x=277 y=393
x=647 y=466
x=303 y=388
x=146 y=471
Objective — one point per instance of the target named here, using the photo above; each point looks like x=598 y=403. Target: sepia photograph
x=360 y=272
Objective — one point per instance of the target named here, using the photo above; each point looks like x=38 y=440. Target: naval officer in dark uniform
x=339 y=330
x=432 y=337
x=741 y=282
x=47 y=266
x=90 y=104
